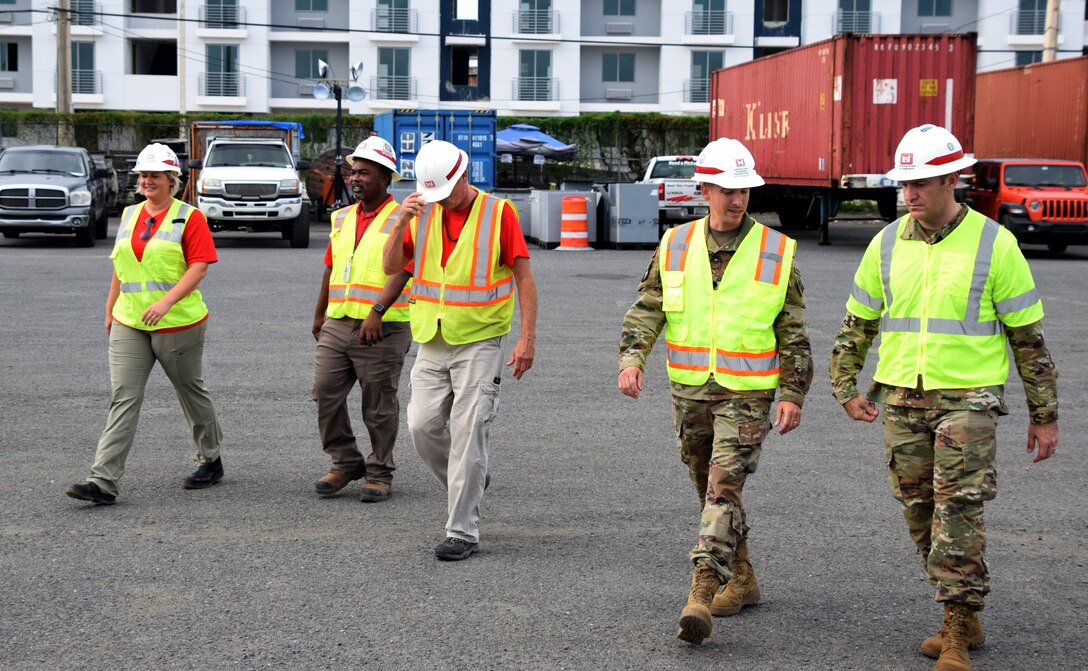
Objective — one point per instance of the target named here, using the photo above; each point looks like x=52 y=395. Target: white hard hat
x=157 y=157
x=439 y=165
x=376 y=150
x=727 y=163
x=928 y=151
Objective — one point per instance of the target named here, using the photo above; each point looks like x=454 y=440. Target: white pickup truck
x=678 y=197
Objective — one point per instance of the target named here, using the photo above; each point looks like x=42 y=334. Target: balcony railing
x=1030 y=22
x=393 y=88
x=536 y=22
x=697 y=90
x=393 y=20
x=536 y=88
x=222 y=84
x=86 y=81
x=222 y=17
x=84 y=13
x=712 y=22
x=857 y=22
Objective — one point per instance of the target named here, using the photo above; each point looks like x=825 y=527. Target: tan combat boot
x=695 y=621
x=741 y=590
x=954 y=655
x=931 y=647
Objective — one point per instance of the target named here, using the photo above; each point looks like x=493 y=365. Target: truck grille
x=33 y=198
x=1073 y=210
x=259 y=191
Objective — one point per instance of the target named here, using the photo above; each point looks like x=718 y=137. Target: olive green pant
x=941 y=469
x=133 y=354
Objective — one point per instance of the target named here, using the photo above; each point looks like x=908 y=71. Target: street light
x=355 y=92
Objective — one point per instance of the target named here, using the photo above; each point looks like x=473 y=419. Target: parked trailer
x=1034 y=111
x=472 y=131
x=823 y=120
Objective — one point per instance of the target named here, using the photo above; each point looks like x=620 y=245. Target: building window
x=306 y=62
x=702 y=64
x=222 y=14
x=934 y=7
x=312 y=5
x=618 y=68
x=154 y=7
x=9 y=57
x=534 y=75
x=83 y=67
x=392 y=16
x=467 y=10
x=155 y=57
x=619 y=7
x=222 y=74
x=465 y=66
x=394 y=76
x=776 y=11
x=1028 y=57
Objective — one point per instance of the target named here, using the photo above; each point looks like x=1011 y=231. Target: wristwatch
x=379 y=308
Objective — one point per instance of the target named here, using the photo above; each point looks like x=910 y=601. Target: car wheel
x=102 y=225
x=1057 y=247
x=85 y=236
x=300 y=231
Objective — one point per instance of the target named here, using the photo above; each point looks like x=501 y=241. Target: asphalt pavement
x=586 y=525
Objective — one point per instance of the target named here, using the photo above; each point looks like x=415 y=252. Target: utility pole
x=1050 y=33
x=65 y=137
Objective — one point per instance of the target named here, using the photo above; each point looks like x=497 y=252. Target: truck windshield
x=1071 y=176
x=667 y=169
x=41 y=161
x=248 y=155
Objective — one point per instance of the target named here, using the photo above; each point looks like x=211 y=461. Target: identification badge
x=347 y=272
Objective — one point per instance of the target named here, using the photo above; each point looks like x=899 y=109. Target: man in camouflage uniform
x=721 y=420
x=967 y=288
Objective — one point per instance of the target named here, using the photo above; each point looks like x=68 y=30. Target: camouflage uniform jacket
x=1029 y=350
x=645 y=319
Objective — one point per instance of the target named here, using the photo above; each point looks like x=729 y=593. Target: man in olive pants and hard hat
x=468 y=254
x=945 y=287
x=729 y=297
x=361 y=327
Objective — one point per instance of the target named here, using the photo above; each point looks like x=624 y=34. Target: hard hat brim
x=352 y=158
x=722 y=180
x=925 y=172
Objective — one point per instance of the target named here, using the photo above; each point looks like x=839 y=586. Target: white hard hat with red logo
x=727 y=163
x=928 y=151
x=439 y=165
x=157 y=157
x=376 y=150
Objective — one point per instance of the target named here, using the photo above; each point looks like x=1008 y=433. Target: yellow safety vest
x=942 y=306
x=357 y=278
x=147 y=281
x=735 y=322
x=473 y=296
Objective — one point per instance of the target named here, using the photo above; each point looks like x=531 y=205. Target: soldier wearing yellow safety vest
x=945 y=288
x=468 y=256
x=361 y=327
x=154 y=312
x=729 y=297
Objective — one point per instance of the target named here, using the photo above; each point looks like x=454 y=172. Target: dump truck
x=244 y=176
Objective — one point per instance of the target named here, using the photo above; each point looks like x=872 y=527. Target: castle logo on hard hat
x=740 y=162
x=906 y=158
x=429 y=183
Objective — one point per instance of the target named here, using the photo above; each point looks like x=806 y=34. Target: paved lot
x=586 y=525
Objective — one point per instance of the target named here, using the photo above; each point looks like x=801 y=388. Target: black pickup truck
x=50 y=189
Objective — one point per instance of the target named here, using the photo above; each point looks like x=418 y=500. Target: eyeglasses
x=150 y=223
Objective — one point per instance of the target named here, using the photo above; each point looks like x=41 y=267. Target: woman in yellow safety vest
x=154 y=312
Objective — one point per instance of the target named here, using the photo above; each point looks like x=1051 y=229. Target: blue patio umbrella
x=525 y=140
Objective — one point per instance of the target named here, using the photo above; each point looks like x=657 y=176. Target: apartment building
x=519 y=57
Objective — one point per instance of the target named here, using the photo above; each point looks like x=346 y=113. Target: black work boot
x=89 y=491
x=205 y=476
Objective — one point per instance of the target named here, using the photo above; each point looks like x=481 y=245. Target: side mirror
x=194 y=163
x=302 y=165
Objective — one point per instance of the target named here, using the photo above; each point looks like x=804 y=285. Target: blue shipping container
x=472 y=131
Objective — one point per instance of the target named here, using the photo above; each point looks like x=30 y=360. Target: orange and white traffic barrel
x=574 y=234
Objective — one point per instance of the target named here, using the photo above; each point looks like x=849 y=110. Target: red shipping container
x=1034 y=111
x=816 y=115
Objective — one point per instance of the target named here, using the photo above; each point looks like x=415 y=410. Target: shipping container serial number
x=911 y=46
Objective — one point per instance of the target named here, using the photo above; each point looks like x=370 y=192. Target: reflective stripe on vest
x=970 y=324
x=747 y=363
x=174 y=234
x=479 y=293
x=772 y=247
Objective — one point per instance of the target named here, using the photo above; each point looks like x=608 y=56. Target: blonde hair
x=175 y=183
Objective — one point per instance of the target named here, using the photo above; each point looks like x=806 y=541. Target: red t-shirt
x=511 y=239
x=362 y=222
x=196 y=241
x=196 y=244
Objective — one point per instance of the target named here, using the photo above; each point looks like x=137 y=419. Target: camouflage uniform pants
x=720 y=441
x=941 y=469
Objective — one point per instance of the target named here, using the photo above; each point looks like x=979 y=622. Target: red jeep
x=1041 y=201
